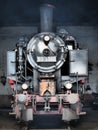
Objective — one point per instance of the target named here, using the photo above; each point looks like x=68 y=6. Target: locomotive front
x=34 y=69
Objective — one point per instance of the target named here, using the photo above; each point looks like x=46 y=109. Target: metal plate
x=78 y=62
x=46 y=59
x=11 y=64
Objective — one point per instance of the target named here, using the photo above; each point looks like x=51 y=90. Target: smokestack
x=46 y=17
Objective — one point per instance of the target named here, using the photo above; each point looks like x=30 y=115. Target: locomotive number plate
x=46 y=59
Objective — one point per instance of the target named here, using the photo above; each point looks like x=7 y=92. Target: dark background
x=66 y=12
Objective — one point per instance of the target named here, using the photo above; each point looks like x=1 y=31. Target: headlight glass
x=24 y=86
x=68 y=85
x=46 y=38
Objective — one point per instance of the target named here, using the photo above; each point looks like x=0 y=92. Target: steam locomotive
x=45 y=73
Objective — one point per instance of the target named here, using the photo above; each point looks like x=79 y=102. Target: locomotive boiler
x=45 y=73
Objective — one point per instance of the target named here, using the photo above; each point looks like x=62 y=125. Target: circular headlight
x=24 y=86
x=68 y=85
x=46 y=38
